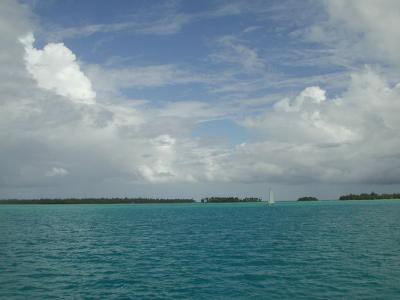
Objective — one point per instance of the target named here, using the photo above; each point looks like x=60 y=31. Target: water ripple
x=335 y=250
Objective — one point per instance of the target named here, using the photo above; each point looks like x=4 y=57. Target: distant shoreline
x=97 y=201
x=371 y=196
x=209 y=200
x=128 y=200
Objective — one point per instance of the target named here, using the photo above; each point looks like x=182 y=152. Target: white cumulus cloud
x=55 y=68
x=353 y=138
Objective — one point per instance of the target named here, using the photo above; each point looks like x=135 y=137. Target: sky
x=199 y=98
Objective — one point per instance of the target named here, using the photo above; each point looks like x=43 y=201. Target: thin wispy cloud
x=155 y=22
x=169 y=24
x=234 y=52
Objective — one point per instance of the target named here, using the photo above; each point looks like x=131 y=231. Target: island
x=370 y=196
x=308 y=198
x=229 y=199
x=127 y=200
x=97 y=201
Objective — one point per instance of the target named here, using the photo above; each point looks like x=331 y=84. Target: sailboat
x=271 y=199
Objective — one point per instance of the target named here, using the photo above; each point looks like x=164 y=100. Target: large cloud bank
x=54 y=131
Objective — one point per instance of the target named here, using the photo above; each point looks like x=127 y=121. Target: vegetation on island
x=371 y=196
x=127 y=200
x=308 y=198
x=96 y=201
x=229 y=199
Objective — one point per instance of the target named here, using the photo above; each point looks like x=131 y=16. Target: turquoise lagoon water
x=323 y=250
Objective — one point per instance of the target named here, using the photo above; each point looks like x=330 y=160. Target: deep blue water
x=323 y=250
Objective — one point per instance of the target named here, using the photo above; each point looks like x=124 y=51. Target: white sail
x=271 y=199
